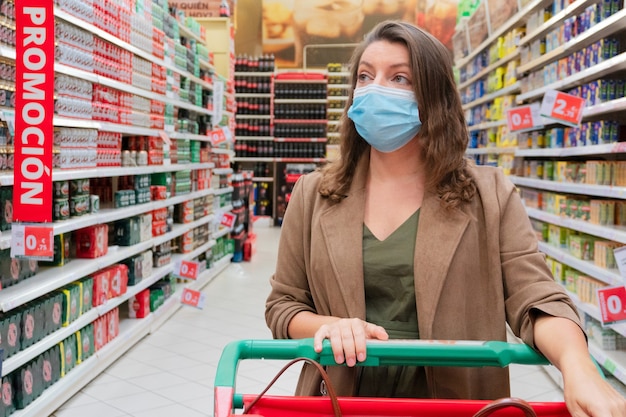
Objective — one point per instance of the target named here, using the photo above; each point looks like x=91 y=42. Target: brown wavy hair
x=443 y=135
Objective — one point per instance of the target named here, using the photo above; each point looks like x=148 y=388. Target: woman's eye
x=401 y=79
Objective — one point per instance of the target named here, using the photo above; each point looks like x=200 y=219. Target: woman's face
x=386 y=64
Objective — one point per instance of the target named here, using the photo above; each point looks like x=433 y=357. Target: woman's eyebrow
x=398 y=65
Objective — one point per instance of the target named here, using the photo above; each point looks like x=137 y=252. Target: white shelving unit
x=614 y=25
x=49 y=279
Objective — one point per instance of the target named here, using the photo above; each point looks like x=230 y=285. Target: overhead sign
x=34 y=107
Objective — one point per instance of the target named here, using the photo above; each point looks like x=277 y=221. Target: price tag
x=564 y=108
x=32 y=241
x=524 y=118
x=193 y=298
x=187 y=270
x=612 y=303
x=228 y=220
x=217 y=137
x=620 y=260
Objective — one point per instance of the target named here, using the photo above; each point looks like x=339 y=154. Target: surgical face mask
x=387 y=118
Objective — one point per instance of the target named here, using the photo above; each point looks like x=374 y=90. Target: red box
x=92 y=242
x=118 y=280
x=101 y=287
x=100 y=336
x=249 y=247
x=113 y=324
x=139 y=305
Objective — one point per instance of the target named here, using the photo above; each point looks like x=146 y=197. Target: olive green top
x=390 y=303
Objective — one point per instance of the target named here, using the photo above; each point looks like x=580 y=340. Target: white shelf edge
x=570 y=10
x=490 y=150
x=600 y=29
x=300 y=101
x=53 y=278
x=585 y=189
x=49 y=341
x=611 y=65
x=110 y=215
x=614 y=361
x=513 y=88
x=614 y=233
x=486 y=125
x=131 y=332
x=70 y=174
x=588 y=267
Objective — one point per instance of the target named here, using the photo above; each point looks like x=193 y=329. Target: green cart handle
x=380 y=353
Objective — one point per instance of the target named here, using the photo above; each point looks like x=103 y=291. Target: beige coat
x=476 y=268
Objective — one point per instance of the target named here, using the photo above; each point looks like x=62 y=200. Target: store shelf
x=605 y=149
x=614 y=361
x=492 y=67
x=614 y=233
x=300 y=101
x=607 y=27
x=52 y=278
x=124 y=45
x=71 y=174
x=573 y=9
x=486 y=125
x=253 y=95
x=611 y=277
x=300 y=121
x=254 y=137
x=610 y=66
x=594 y=311
x=254 y=116
x=113 y=214
x=262 y=179
x=21 y=358
x=253 y=74
x=131 y=332
x=251 y=159
x=490 y=150
x=302 y=140
x=602 y=109
x=518 y=19
x=565 y=187
x=222 y=171
x=185 y=32
x=511 y=89
x=299 y=81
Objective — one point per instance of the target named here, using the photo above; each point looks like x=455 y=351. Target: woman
x=404 y=238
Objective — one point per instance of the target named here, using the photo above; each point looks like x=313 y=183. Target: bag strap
x=505 y=403
x=332 y=394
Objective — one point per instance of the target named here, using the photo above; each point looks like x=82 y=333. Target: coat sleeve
x=290 y=292
x=528 y=282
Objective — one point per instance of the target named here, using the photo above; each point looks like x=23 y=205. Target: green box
x=70 y=354
x=86 y=346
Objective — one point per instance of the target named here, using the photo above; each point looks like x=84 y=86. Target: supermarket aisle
x=171 y=372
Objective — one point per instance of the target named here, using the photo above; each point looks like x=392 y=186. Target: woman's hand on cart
x=347 y=338
x=588 y=394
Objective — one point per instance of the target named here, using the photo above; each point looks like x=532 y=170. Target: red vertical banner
x=34 y=107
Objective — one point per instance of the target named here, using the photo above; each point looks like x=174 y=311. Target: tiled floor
x=171 y=372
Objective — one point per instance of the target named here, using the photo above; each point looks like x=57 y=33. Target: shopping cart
x=420 y=352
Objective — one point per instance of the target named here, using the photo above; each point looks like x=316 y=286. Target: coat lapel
x=438 y=235
x=342 y=228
